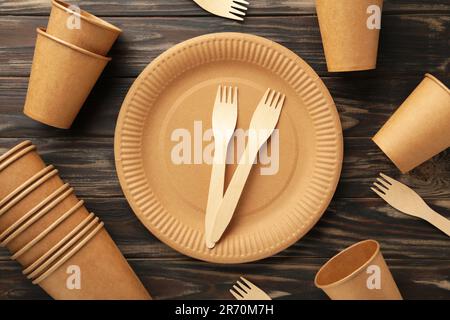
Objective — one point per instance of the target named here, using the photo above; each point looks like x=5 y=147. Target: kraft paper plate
x=174 y=94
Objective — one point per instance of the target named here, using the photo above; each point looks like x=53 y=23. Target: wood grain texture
x=345 y=222
x=280 y=277
x=189 y=8
x=414 y=41
x=365 y=103
x=88 y=165
x=420 y=42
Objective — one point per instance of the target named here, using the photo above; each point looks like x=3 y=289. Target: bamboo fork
x=231 y=9
x=248 y=291
x=408 y=201
x=262 y=125
x=224 y=120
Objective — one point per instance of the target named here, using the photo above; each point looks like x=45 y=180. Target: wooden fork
x=248 y=291
x=262 y=125
x=231 y=9
x=224 y=121
x=408 y=201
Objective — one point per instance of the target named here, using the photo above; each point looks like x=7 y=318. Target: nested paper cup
x=76 y=238
x=62 y=76
x=349 y=38
x=44 y=218
x=358 y=273
x=51 y=235
x=104 y=273
x=81 y=28
x=17 y=169
x=15 y=149
x=38 y=188
x=53 y=250
x=420 y=128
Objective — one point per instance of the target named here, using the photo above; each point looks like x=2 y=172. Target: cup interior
x=347 y=263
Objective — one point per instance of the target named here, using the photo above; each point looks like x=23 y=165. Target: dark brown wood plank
x=364 y=104
x=88 y=164
x=189 y=8
x=346 y=221
x=410 y=44
x=282 y=278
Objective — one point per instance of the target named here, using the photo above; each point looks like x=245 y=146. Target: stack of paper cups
x=48 y=230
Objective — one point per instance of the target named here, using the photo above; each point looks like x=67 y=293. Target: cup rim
x=86 y=16
x=43 y=234
x=438 y=82
x=36 y=213
x=14 y=157
x=43 y=32
x=11 y=199
x=77 y=237
x=70 y=254
x=354 y=272
x=15 y=149
x=57 y=247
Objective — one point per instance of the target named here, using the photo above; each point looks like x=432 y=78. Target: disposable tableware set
x=216 y=80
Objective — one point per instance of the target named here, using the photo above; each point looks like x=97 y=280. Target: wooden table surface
x=414 y=40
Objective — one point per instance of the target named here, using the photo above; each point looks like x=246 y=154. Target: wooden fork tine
x=248 y=283
x=219 y=94
x=380 y=194
x=242 y=286
x=237 y=11
x=384 y=183
x=242 y=2
x=235 y=96
x=239 y=6
x=236 y=295
x=381 y=187
x=239 y=290
x=388 y=179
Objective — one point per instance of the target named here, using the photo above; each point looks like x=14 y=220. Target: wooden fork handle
x=215 y=195
x=232 y=195
x=439 y=222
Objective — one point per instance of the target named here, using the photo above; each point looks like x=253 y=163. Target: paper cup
x=420 y=128
x=29 y=268
x=349 y=37
x=42 y=219
x=15 y=149
x=76 y=238
x=62 y=76
x=17 y=169
x=81 y=28
x=49 y=238
x=103 y=272
x=358 y=273
x=13 y=211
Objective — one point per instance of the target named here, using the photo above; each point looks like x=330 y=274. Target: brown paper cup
x=358 y=273
x=51 y=236
x=43 y=265
x=349 y=44
x=44 y=218
x=81 y=28
x=420 y=128
x=14 y=210
x=104 y=272
x=57 y=247
x=15 y=149
x=62 y=76
x=18 y=169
